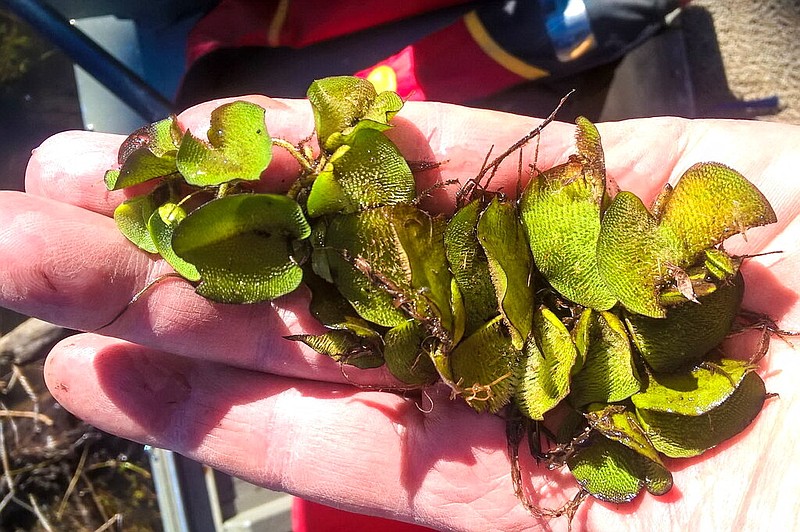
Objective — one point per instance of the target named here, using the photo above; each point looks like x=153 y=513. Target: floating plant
x=566 y=299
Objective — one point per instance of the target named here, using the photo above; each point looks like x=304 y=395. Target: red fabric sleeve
x=296 y=23
x=312 y=517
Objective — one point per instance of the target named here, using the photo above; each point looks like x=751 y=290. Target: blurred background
x=112 y=66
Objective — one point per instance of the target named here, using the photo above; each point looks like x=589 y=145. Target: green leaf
x=547 y=366
x=161 y=225
x=242 y=246
x=367 y=173
x=504 y=243
x=238 y=148
x=687 y=414
x=609 y=373
x=613 y=472
x=384 y=257
x=634 y=254
x=560 y=211
x=483 y=367
x=470 y=266
x=405 y=357
x=345 y=346
x=147 y=153
x=689 y=331
x=131 y=217
x=342 y=103
x=710 y=203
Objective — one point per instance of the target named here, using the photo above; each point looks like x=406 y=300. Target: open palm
x=220 y=384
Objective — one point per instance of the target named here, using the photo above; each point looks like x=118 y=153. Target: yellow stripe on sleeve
x=516 y=65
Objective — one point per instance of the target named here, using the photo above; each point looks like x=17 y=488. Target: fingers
x=443 y=465
x=72 y=267
x=70 y=166
x=361 y=450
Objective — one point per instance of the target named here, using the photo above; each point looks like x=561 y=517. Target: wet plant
x=591 y=321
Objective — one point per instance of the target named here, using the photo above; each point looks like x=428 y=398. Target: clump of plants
x=588 y=317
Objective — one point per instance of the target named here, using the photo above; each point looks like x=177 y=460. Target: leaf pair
x=238 y=247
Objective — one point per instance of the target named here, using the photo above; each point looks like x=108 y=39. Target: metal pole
x=105 y=68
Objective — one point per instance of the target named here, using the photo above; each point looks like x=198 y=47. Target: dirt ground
x=757 y=45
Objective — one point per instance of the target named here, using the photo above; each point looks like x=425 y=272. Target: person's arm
x=219 y=383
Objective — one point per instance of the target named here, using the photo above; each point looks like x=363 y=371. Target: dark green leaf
x=405 y=357
x=483 y=367
x=547 y=366
x=609 y=373
x=470 y=267
x=689 y=331
x=242 y=246
x=686 y=414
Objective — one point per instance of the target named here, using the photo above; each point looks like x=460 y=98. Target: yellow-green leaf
x=634 y=255
x=343 y=103
x=710 y=203
x=238 y=147
x=367 y=173
x=503 y=240
x=131 y=217
x=344 y=346
x=161 y=225
x=147 y=153
x=560 y=211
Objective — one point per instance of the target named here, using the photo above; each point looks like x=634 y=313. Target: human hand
x=219 y=384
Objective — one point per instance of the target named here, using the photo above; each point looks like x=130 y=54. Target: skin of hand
x=219 y=384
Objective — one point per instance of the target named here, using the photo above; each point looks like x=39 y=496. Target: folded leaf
x=394 y=258
x=147 y=153
x=609 y=373
x=689 y=331
x=613 y=472
x=504 y=243
x=560 y=211
x=483 y=367
x=405 y=356
x=687 y=414
x=634 y=254
x=242 y=246
x=470 y=266
x=131 y=217
x=546 y=367
x=162 y=225
x=345 y=346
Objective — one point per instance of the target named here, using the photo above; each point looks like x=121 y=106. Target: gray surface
x=745 y=50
